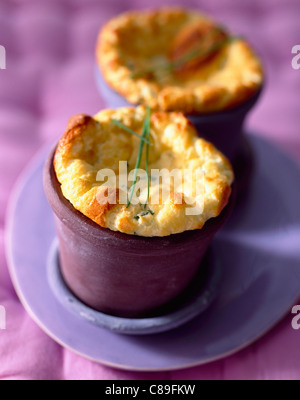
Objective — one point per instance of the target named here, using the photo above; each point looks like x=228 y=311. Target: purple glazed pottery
x=224 y=129
x=119 y=274
x=195 y=300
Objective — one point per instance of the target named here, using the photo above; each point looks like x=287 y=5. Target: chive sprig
x=172 y=66
x=144 y=139
x=125 y=128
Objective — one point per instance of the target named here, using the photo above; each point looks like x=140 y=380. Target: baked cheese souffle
x=174 y=59
x=100 y=143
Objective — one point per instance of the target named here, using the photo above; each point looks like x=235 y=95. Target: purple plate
x=258 y=249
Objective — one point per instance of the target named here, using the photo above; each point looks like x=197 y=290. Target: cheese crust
x=93 y=144
x=147 y=40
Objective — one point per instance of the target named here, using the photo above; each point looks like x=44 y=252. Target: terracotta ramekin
x=224 y=129
x=119 y=274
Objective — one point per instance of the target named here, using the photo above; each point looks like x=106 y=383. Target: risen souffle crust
x=91 y=144
x=138 y=40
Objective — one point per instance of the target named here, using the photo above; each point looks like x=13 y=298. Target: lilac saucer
x=195 y=300
x=258 y=250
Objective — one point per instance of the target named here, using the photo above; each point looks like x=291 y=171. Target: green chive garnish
x=143 y=214
x=173 y=65
x=125 y=128
x=146 y=134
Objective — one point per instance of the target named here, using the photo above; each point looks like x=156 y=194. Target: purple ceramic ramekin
x=224 y=129
x=119 y=274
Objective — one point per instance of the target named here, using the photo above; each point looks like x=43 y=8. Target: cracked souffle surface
x=95 y=145
x=174 y=59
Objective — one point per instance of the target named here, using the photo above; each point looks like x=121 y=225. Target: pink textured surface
x=49 y=77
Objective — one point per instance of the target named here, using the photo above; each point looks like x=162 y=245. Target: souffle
x=174 y=59
x=94 y=149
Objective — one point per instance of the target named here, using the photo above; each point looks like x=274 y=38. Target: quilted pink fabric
x=49 y=77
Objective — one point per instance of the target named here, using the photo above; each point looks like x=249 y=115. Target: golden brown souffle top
x=211 y=71
x=91 y=144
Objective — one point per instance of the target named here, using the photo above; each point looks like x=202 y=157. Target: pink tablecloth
x=49 y=77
